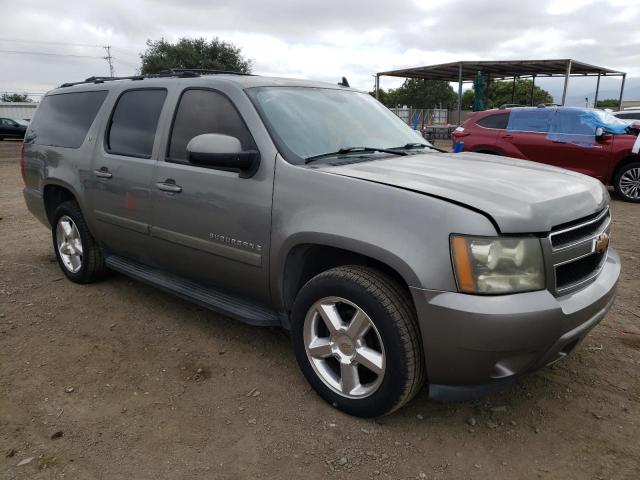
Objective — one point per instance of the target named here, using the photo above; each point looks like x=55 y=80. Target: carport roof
x=501 y=69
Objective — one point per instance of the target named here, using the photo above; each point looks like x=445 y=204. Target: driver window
x=205 y=111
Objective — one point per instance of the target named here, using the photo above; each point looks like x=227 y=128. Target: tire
x=91 y=265
x=392 y=333
x=627 y=182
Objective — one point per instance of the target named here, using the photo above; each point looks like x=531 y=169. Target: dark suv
x=592 y=142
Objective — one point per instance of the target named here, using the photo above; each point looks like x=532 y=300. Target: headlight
x=488 y=265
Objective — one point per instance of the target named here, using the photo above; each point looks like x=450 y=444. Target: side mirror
x=223 y=152
x=600 y=132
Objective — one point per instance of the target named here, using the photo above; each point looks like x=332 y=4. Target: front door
x=119 y=181
x=576 y=146
x=212 y=226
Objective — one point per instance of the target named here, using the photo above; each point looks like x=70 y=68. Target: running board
x=211 y=298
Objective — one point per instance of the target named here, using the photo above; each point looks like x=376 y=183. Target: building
x=17 y=109
x=630 y=104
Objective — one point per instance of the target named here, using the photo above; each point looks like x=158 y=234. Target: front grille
x=579 y=270
x=572 y=254
x=584 y=229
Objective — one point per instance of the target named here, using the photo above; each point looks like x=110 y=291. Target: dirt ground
x=117 y=380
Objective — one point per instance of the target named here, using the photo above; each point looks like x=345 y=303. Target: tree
x=193 y=53
x=608 y=103
x=15 y=97
x=500 y=92
x=419 y=93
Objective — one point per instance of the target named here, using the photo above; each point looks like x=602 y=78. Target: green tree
x=419 y=93
x=15 y=97
x=193 y=53
x=500 y=92
x=608 y=103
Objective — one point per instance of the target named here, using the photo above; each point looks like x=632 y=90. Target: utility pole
x=109 y=59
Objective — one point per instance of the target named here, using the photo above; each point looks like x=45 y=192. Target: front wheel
x=627 y=182
x=356 y=339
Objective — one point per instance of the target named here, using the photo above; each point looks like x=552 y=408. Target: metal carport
x=462 y=72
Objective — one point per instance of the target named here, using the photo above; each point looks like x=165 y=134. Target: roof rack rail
x=170 y=73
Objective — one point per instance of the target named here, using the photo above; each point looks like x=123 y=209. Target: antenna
x=109 y=59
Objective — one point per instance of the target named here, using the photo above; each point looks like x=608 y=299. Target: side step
x=213 y=299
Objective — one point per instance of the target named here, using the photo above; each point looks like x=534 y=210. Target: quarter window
x=134 y=121
x=205 y=111
x=63 y=120
x=498 y=121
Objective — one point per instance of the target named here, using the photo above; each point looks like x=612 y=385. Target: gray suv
x=312 y=207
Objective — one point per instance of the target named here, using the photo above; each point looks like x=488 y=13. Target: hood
x=520 y=196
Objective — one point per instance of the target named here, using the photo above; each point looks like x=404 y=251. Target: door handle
x=507 y=135
x=103 y=173
x=169 y=185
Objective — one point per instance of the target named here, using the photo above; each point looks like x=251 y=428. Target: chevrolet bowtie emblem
x=602 y=242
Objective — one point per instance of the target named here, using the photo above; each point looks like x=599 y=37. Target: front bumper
x=474 y=343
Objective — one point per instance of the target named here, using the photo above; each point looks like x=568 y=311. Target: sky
x=320 y=40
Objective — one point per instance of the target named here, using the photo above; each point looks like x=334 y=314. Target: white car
x=628 y=114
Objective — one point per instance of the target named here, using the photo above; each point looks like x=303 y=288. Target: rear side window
x=205 y=111
x=63 y=120
x=531 y=120
x=134 y=121
x=629 y=116
x=498 y=121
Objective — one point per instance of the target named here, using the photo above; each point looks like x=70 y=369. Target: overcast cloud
x=321 y=40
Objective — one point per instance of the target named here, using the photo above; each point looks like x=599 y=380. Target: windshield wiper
x=353 y=150
x=410 y=146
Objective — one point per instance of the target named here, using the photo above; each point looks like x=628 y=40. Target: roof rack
x=171 y=73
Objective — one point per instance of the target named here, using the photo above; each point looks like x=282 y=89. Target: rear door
x=213 y=226
x=527 y=133
x=485 y=135
x=119 y=182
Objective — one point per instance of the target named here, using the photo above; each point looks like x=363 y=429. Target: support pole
x=595 y=100
x=513 y=90
x=460 y=93
x=486 y=92
x=566 y=82
x=533 y=87
x=624 y=78
x=377 y=86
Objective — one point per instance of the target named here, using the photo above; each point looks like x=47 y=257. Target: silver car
x=310 y=206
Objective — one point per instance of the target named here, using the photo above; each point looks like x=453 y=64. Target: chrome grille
x=571 y=253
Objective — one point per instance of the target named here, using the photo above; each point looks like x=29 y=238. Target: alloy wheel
x=344 y=347
x=630 y=183
x=69 y=244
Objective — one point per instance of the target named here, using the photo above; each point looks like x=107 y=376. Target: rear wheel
x=356 y=339
x=78 y=254
x=627 y=182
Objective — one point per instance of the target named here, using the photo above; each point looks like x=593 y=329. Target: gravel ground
x=118 y=380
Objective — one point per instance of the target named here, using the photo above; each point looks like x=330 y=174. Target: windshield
x=609 y=120
x=315 y=121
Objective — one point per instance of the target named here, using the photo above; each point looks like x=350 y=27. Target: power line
x=43 y=42
x=22 y=52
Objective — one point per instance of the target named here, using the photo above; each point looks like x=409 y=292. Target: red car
x=588 y=141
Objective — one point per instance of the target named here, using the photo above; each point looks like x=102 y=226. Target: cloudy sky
x=317 y=39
